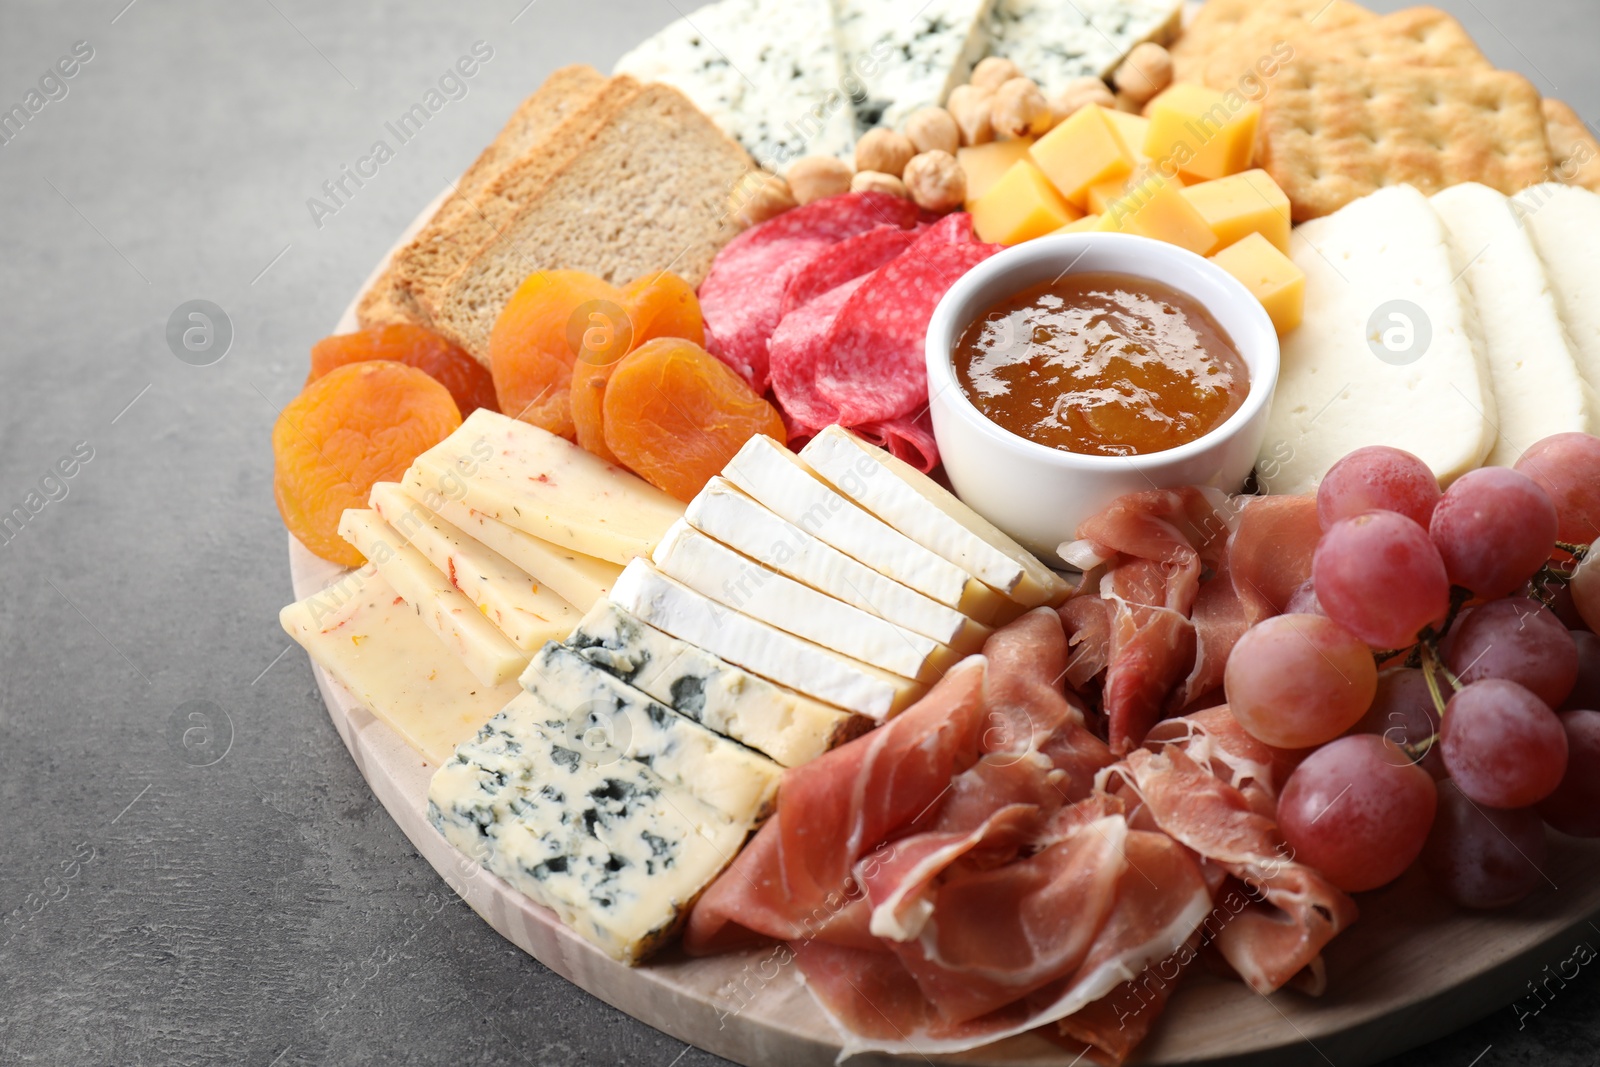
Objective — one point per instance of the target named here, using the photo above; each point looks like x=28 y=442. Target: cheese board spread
x=1024 y=532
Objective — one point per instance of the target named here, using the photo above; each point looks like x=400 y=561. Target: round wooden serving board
x=1412 y=969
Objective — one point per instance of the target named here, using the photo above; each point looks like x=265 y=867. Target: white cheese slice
x=909 y=53
x=580 y=580
x=1565 y=223
x=486 y=652
x=364 y=634
x=761 y=649
x=546 y=486
x=616 y=851
x=739 y=582
x=1537 y=388
x=724 y=512
x=1380 y=278
x=769 y=74
x=781 y=481
x=1054 y=43
x=522 y=609
x=791 y=728
x=932 y=516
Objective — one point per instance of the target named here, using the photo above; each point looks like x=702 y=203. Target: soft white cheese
x=1565 y=223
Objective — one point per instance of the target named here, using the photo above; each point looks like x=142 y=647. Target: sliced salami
x=838 y=263
x=909 y=439
x=798 y=347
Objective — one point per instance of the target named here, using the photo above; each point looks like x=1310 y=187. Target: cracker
x=1416 y=36
x=1334 y=132
x=1247 y=31
x=1574 y=152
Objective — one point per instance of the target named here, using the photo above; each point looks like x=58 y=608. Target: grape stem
x=1417 y=751
x=1430 y=665
x=1577 y=552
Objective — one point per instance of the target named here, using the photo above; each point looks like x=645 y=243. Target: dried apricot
x=675 y=414
x=554 y=318
x=355 y=426
x=416 y=346
x=658 y=305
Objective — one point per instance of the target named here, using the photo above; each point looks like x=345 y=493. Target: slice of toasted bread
x=469 y=221
x=647 y=192
x=388 y=300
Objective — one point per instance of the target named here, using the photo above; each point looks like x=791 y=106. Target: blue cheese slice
x=818 y=672
x=791 y=728
x=909 y=54
x=742 y=584
x=607 y=720
x=522 y=609
x=769 y=74
x=616 y=851
x=1054 y=43
x=489 y=654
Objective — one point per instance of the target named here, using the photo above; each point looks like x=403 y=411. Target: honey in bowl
x=1102 y=364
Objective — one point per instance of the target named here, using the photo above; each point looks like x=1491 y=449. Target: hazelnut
x=936 y=181
x=759 y=196
x=885 y=151
x=815 y=177
x=1019 y=109
x=1145 y=72
x=876 y=181
x=993 y=72
x=1129 y=104
x=931 y=128
x=1080 y=92
x=969 y=106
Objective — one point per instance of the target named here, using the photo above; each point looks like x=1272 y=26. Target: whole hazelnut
x=815 y=177
x=876 y=181
x=969 y=106
x=1019 y=109
x=993 y=72
x=1145 y=72
x=933 y=128
x=1080 y=92
x=759 y=196
x=936 y=181
x=884 y=151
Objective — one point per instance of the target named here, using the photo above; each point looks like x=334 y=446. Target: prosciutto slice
x=1269 y=556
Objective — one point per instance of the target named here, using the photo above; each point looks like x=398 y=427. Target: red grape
x=1403 y=711
x=1482 y=857
x=1380 y=576
x=1303 y=601
x=1586 y=690
x=1585 y=589
x=1518 y=640
x=1567 y=467
x=1502 y=745
x=1495 y=528
x=1294 y=681
x=1358 y=811
x=1574 y=808
x=1377 y=478
x=1562 y=604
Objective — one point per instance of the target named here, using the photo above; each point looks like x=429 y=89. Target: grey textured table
x=241 y=898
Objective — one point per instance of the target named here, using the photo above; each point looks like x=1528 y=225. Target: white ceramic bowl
x=1038 y=494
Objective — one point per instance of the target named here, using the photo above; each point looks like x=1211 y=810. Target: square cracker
x=1334 y=132
x=1574 y=152
x=1249 y=28
x=1415 y=36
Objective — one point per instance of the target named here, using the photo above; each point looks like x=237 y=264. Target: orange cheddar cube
x=1101 y=195
x=1201 y=133
x=983 y=164
x=1242 y=204
x=1133 y=129
x=1083 y=225
x=1271 y=277
x=1085 y=150
x=1020 y=206
x=1154 y=206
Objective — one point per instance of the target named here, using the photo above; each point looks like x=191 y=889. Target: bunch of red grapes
x=1443 y=666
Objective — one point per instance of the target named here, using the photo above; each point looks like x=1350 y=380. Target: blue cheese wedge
x=1054 y=43
x=932 y=516
x=769 y=74
x=489 y=654
x=522 y=609
x=818 y=672
x=791 y=728
x=608 y=720
x=909 y=54
x=616 y=851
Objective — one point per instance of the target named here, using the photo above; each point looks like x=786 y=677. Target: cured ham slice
x=1269 y=556
x=1152 y=651
x=1159 y=541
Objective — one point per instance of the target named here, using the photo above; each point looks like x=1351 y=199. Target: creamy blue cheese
x=908 y=54
x=769 y=74
x=1054 y=43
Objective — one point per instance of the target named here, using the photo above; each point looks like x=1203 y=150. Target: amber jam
x=1102 y=364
